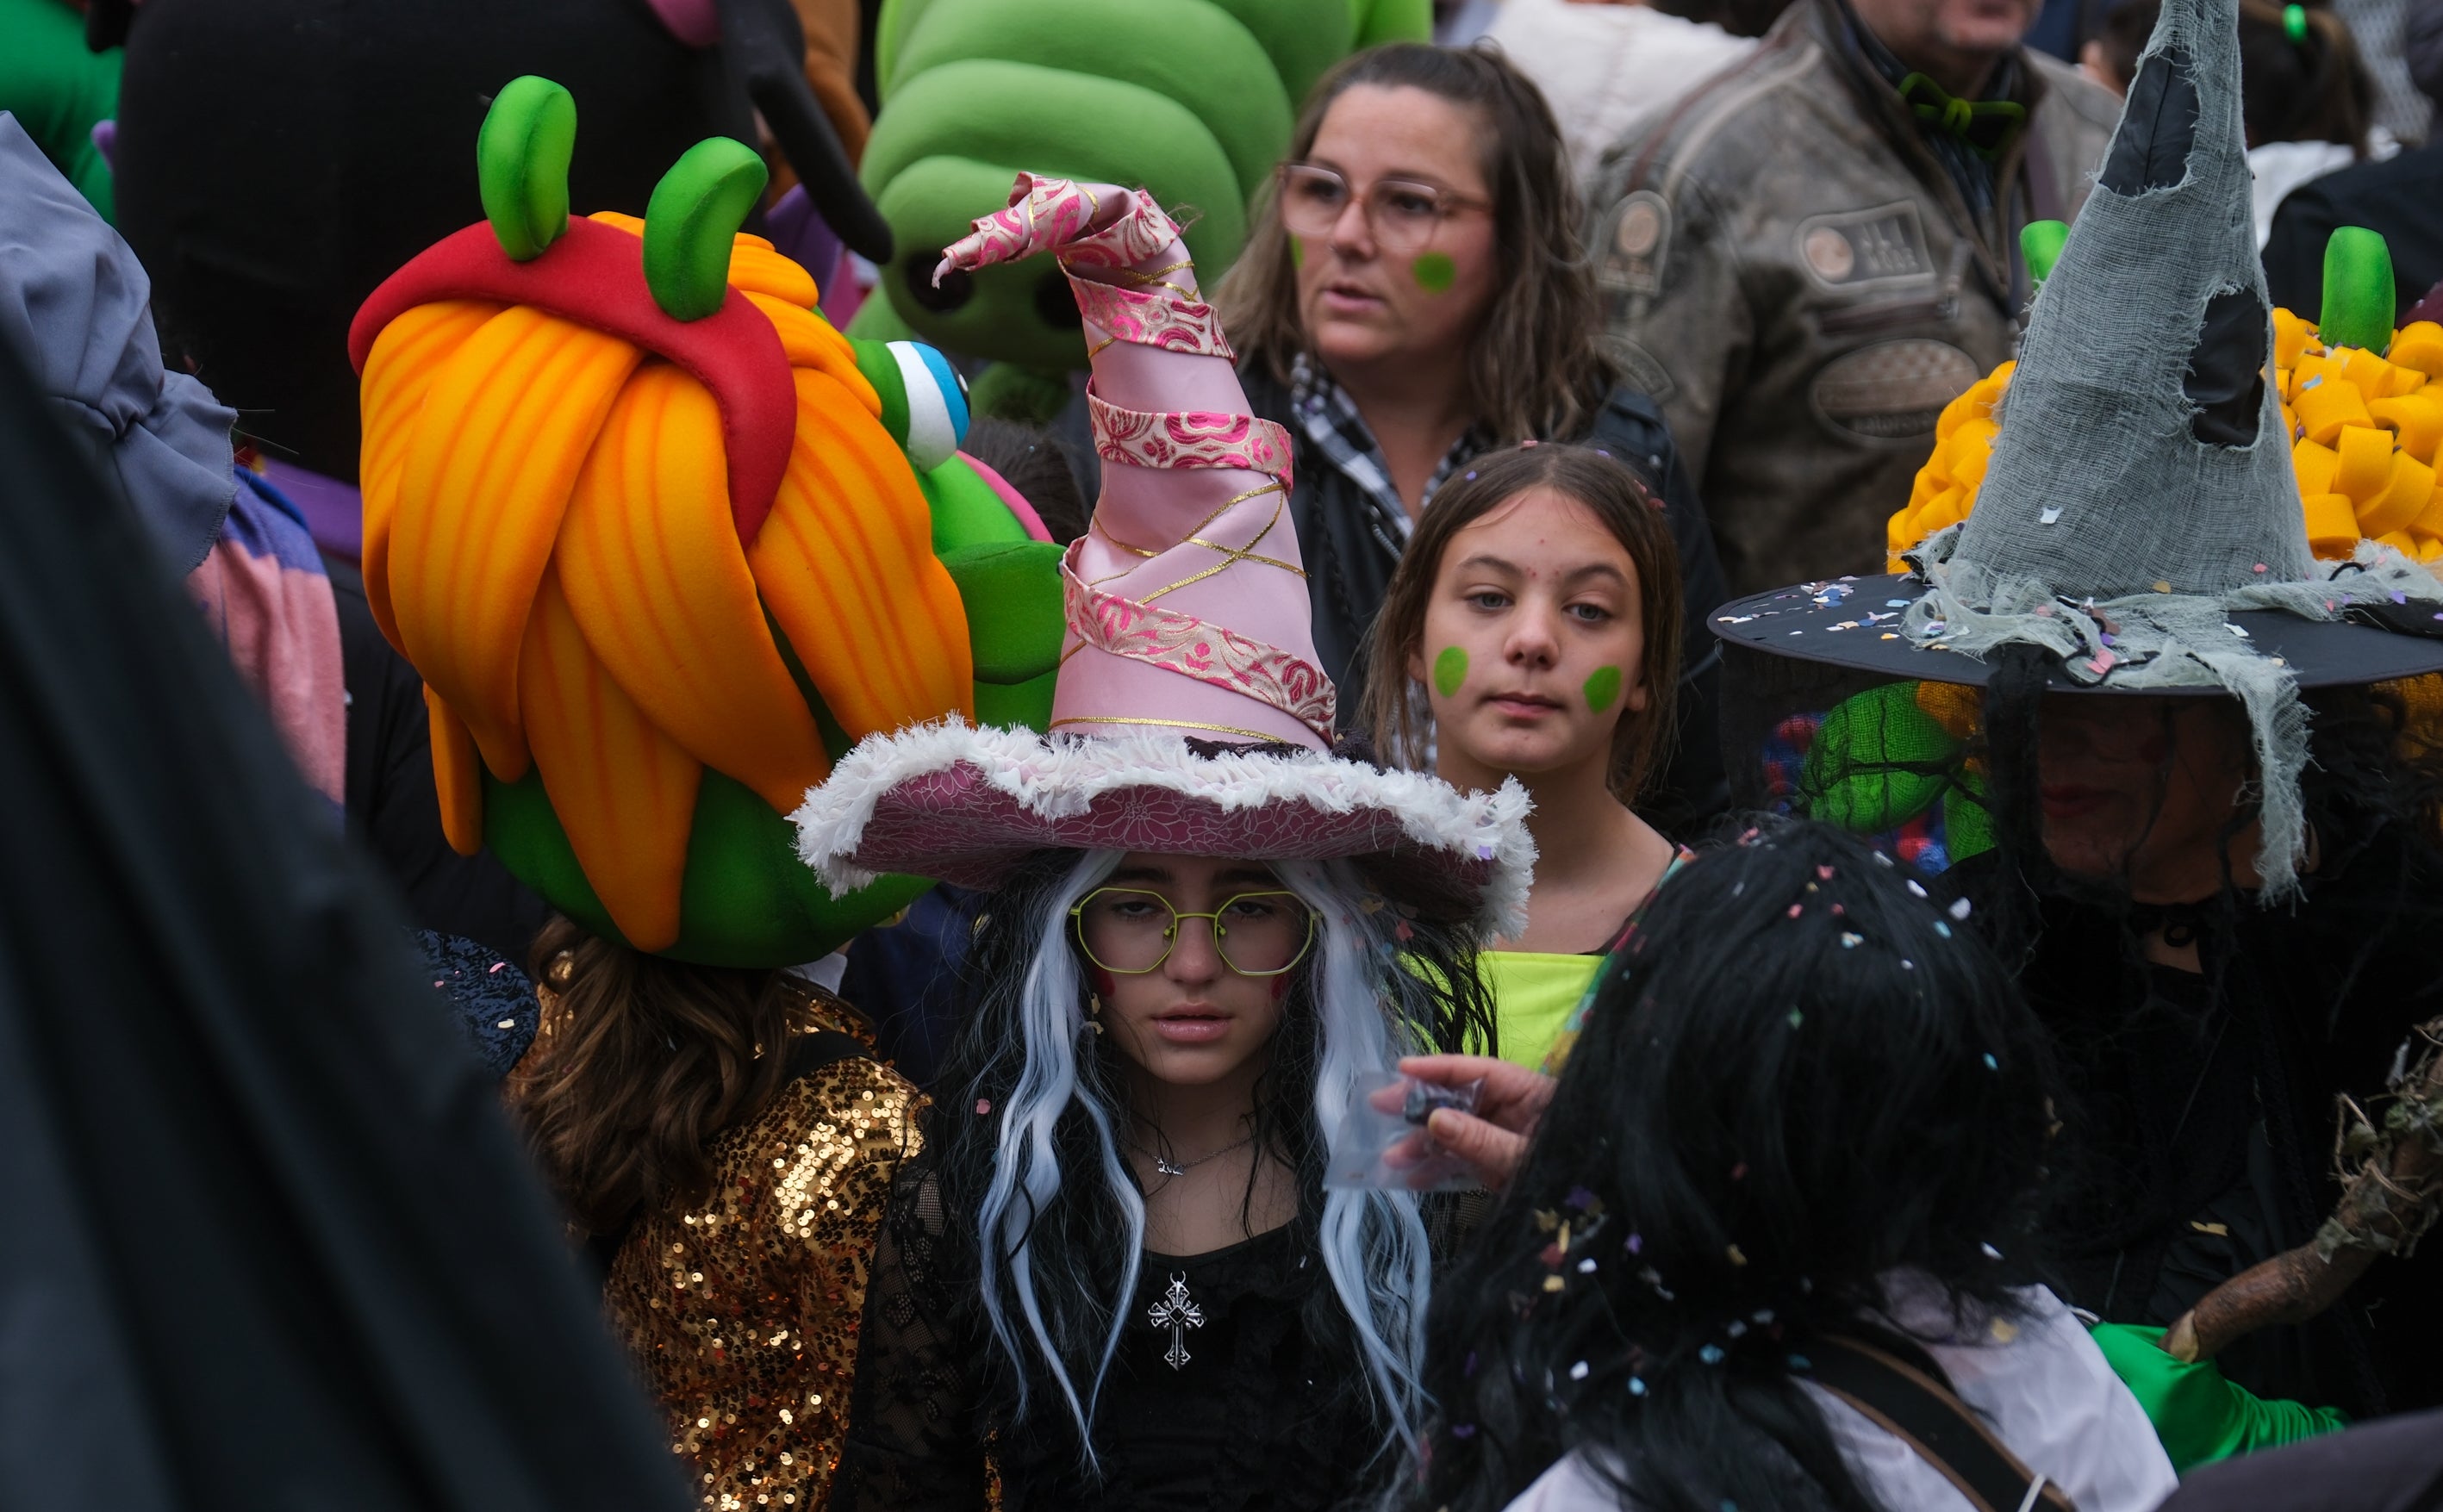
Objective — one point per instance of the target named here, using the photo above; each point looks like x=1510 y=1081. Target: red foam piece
x=595 y=275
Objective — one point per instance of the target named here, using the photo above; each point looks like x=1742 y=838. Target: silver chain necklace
x=1174 y=1167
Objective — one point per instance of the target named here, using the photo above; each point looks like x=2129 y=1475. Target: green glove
x=2200 y=1417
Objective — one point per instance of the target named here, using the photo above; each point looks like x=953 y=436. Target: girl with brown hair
x=1532 y=631
x=621 y=480
x=1413 y=295
x=725 y=1139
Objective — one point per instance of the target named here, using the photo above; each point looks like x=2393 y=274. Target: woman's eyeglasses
x=1401 y=213
x=1130 y=932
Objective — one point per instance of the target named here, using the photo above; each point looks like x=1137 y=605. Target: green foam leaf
x=1012 y=594
x=1877 y=761
x=1016 y=705
x=2359 y=294
x=881 y=368
x=966 y=513
x=746 y=899
x=2041 y=243
x=522 y=157
x=696 y=210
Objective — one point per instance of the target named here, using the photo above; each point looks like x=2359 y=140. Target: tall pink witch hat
x=1190 y=716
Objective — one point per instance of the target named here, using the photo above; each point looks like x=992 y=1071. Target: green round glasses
x=1130 y=931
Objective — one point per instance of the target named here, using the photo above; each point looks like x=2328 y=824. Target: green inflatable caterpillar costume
x=1193 y=98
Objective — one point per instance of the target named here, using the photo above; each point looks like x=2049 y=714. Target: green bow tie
x=1985 y=125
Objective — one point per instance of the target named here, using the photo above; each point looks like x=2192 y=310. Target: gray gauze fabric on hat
x=2141 y=486
x=76 y=305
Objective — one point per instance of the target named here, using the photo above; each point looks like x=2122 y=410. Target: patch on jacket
x=1892 y=390
x=1879 y=248
x=1636 y=241
x=1640 y=369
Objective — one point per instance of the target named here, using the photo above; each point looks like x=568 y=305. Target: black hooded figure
x=2205 y=762
x=270 y=1243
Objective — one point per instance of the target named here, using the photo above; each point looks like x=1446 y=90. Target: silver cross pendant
x=1177 y=1312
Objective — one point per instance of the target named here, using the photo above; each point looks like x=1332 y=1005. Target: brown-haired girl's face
x=1532 y=648
x=1361 y=302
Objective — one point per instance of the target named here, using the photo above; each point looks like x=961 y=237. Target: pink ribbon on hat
x=1193 y=510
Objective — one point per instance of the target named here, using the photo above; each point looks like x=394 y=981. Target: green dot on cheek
x=1434 y=272
x=1450 y=670
x=1603 y=688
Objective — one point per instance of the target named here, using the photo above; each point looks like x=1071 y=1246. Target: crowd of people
x=1222 y=754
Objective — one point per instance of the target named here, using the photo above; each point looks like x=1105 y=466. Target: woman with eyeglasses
x=1219 y=994
x=1413 y=294
x=1115 y=1277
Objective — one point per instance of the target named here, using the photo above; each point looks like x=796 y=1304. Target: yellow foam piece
x=2374 y=378
x=2429 y=520
x=2328 y=402
x=2315 y=464
x=2420 y=345
x=2404 y=496
x=2416 y=418
x=2290 y=338
x=2332 y=525
x=2365 y=454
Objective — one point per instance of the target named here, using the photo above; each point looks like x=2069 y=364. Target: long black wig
x=1800 y=1075
x=1041 y=1216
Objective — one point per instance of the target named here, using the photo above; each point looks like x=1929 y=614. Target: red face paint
x=1280 y=987
x=1103 y=982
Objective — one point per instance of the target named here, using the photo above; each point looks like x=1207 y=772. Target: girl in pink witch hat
x=1115 y=1273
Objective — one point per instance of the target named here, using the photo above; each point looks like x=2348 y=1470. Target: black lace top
x=1218 y=1400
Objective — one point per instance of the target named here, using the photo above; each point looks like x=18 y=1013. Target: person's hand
x=1492 y=1139
x=2199 y=1415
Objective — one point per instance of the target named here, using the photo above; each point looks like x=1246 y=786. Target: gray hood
x=76 y=305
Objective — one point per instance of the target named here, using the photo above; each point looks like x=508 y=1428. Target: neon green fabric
x=2200 y=1417
x=1534 y=995
x=1572 y=1022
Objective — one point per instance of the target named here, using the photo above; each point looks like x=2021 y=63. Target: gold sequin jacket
x=742 y=1311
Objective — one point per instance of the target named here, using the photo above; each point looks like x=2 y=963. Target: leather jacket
x=1788 y=267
